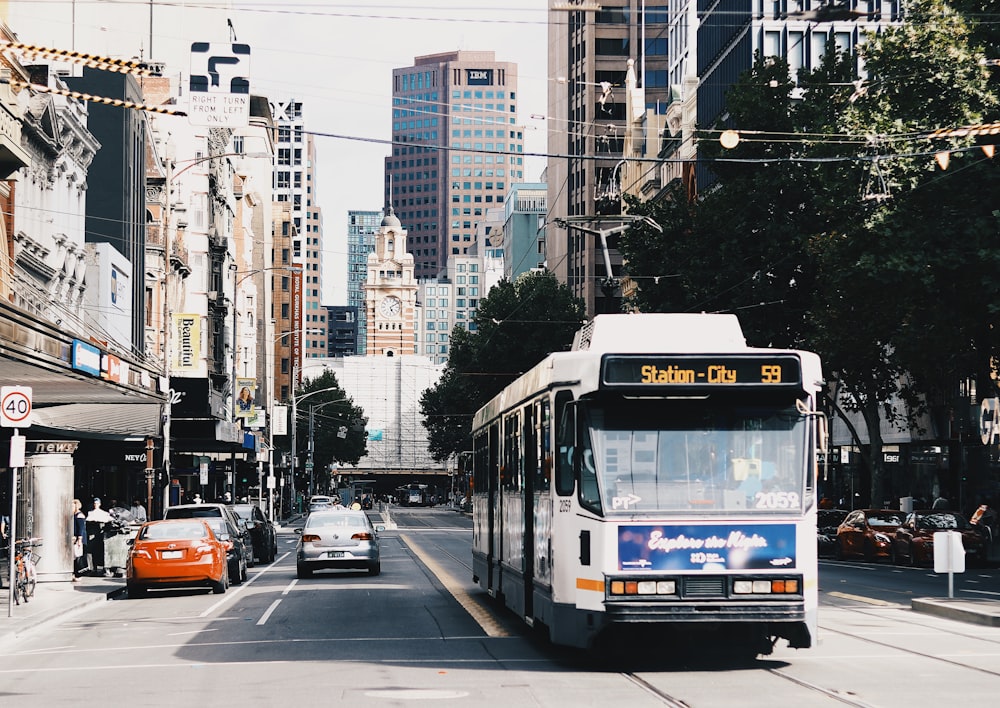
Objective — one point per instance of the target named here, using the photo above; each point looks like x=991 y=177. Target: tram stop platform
x=970 y=611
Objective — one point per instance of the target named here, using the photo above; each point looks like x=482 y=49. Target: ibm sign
x=479 y=77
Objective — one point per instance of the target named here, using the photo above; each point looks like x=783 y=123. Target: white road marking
x=263 y=619
x=197 y=631
x=230 y=595
x=290 y=586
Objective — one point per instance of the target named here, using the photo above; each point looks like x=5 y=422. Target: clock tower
x=390 y=292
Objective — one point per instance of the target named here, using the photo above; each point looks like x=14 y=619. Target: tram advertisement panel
x=713 y=547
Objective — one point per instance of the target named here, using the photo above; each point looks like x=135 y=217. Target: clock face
x=390 y=306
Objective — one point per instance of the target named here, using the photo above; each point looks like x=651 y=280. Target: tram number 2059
x=776 y=500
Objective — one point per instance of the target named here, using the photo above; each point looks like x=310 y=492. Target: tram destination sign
x=702 y=371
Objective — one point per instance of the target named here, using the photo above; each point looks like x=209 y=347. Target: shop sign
x=54 y=447
x=111 y=368
x=989 y=421
x=86 y=358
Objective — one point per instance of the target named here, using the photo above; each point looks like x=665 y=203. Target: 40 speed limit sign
x=15 y=406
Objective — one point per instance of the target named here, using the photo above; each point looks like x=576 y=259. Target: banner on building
x=279 y=420
x=246 y=406
x=186 y=342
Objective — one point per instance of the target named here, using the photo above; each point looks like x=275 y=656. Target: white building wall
x=388 y=389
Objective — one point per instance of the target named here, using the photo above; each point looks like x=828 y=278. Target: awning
x=102 y=421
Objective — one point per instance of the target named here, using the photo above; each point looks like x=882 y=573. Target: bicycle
x=25 y=559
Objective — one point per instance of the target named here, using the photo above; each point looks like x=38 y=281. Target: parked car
x=228 y=528
x=827 y=521
x=265 y=540
x=175 y=553
x=868 y=533
x=337 y=538
x=914 y=539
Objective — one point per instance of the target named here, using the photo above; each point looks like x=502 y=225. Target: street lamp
x=312 y=447
x=295 y=419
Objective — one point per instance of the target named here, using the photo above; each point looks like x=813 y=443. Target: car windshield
x=244 y=512
x=162 y=532
x=885 y=519
x=830 y=517
x=702 y=456
x=942 y=520
x=331 y=520
x=205 y=512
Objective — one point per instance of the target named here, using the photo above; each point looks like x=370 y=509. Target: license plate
x=171 y=554
x=335 y=554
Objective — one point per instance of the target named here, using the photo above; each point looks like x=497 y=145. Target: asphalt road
x=421 y=633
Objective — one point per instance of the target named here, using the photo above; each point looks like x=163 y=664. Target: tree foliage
x=517 y=325
x=830 y=226
x=338 y=424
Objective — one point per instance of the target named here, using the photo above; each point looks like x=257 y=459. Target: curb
x=968 y=611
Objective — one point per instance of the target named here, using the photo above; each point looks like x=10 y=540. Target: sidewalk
x=52 y=600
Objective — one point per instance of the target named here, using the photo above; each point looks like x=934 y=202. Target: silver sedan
x=337 y=538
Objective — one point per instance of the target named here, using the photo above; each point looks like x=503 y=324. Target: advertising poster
x=706 y=547
x=245 y=399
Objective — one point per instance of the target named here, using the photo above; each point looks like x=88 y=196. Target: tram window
x=565 y=443
x=590 y=493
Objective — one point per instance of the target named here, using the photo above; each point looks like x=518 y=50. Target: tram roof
x=638 y=333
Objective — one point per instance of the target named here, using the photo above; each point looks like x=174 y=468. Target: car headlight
x=881 y=538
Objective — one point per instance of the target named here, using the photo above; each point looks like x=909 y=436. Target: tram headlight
x=769 y=586
x=643 y=587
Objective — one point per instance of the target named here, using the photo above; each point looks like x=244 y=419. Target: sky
x=335 y=57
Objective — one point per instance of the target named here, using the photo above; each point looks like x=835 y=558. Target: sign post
x=15 y=412
x=949 y=556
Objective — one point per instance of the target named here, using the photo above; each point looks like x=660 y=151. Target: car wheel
x=243 y=571
x=869 y=551
x=840 y=550
x=374 y=568
x=911 y=559
x=135 y=590
x=220 y=587
x=302 y=572
x=892 y=555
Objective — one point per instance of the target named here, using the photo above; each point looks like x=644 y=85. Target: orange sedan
x=176 y=553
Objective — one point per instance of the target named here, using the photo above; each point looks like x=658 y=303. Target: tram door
x=529 y=449
x=492 y=500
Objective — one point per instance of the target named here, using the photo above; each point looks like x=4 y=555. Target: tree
x=517 y=325
x=830 y=228
x=338 y=424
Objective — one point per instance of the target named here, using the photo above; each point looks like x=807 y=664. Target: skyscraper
x=588 y=61
x=361 y=228
x=457 y=148
x=295 y=183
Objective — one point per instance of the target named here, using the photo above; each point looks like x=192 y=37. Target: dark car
x=827 y=522
x=868 y=533
x=265 y=540
x=228 y=528
x=914 y=539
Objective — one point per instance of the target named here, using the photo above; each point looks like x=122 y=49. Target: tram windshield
x=656 y=455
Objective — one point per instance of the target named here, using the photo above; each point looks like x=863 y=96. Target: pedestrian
x=79 y=521
x=97 y=519
x=138 y=512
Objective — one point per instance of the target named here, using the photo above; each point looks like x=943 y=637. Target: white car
x=337 y=538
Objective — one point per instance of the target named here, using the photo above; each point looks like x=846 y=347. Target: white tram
x=661 y=475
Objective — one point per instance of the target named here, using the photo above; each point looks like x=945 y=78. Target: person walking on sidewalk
x=79 y=522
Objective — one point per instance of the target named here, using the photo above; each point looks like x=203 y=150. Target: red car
x=914 y=541
x=176 y=553
x=868 y=533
